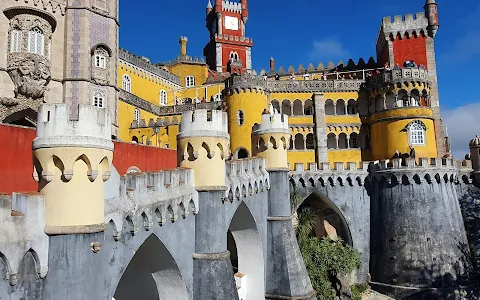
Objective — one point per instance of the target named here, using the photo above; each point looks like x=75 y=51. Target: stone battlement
x=405 y=74
x=22 y=217
x=53 y=6
x=246 y=177
x=152 y=197
x=272 y=124
x=204 y=123
x=56 y=129
x=231 y=6
x=407 y=23
x=148 y=66
x=232 y=38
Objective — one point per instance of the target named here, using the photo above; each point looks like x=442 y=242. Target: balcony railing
x=408 y=74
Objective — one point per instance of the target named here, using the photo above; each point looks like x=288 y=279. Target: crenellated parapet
x=22 y=217
x=148 y=198
x=353 y=174
x=52 y=6
x=204 y=145
x=253 y=83
x=407 y=171
x=246 y=177
x=406 y=78
x=72 y=162
x=270 y=140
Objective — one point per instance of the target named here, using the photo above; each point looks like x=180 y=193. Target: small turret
x=475 y=153
x=183 y=45
x=270 y=140
x=244 y=10
x=272 y=66
x=431 y=13
x=209 y=8
x=203 y=145
x=72 y=162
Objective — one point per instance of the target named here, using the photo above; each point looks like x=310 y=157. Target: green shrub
x=357 y=290
x=324 y=258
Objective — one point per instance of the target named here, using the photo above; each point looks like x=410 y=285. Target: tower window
x=36 y=41
x=136 y=115
x=101 y=58
x=417 y=133
x=126 y=83
x=240 y=118
x=15 y=40
x=163 y=97
x=98 y=99
x=189 y=81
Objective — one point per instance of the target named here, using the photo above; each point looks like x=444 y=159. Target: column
x=286 y=276
x=320 y=130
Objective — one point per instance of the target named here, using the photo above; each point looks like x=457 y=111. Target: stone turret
x=203 y=145
x=72 y=161
x=418 y=240
x=270 y=140
x=475 y=153
x=431 y=13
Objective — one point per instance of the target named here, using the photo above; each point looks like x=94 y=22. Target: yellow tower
x=401 y=114
x=203 y=145
x=72 y=162
x=246 y=99
x=270 y=140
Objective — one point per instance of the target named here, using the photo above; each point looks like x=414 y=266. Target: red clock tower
x=228 y=50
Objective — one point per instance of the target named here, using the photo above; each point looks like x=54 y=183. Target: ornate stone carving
x=30 y=74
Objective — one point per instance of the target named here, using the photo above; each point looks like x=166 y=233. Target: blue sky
x=311 y=31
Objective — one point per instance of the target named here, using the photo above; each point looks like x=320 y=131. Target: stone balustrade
x=152 y=197
x=246 y=177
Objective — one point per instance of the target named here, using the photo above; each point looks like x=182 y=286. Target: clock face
x=231 y=23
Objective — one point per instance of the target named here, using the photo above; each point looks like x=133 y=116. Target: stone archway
x=330 y=221
x=246 y=253
x=152 y=274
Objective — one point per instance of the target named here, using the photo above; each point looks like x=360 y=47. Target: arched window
x=136 y=115
x=331 y=141
x=329 y=107
x=233 y=56
x=163 y=97
x=308 y=108
x=352 y=107
x=100 y=59
x=340 y=107
x=297 y=108
x=286 y=107
x=342 y=141
x=240 y=118
x=126 y=83
x=416 y=134
x=310 y=141
x=189 y=81
x=15 y=40
x=299 y=142
x=353 y=142
x=36 y=41
x=98 y=99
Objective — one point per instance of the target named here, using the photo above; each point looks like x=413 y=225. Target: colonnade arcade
x=403 y=98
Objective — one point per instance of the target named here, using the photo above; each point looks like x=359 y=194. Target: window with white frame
x=126 y=83
x=189 y=81
x=163 y=97
x=15 y=40
x=101 y=56
x=98 y=99
x=36 y=41
x=136 y=115
x=417 y=133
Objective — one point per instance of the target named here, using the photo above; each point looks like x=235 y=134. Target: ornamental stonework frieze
x=30 y=74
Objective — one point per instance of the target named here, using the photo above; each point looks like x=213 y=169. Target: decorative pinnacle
x=209 y=5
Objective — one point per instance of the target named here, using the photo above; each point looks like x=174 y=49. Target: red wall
x=241 y=50
x=146 y=158
x=16 y=159
x=410 y=49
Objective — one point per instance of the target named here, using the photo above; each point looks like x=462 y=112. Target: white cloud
x=328 y=49
x=463 y=124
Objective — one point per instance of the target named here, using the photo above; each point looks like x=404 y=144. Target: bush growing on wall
x=326 y=260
